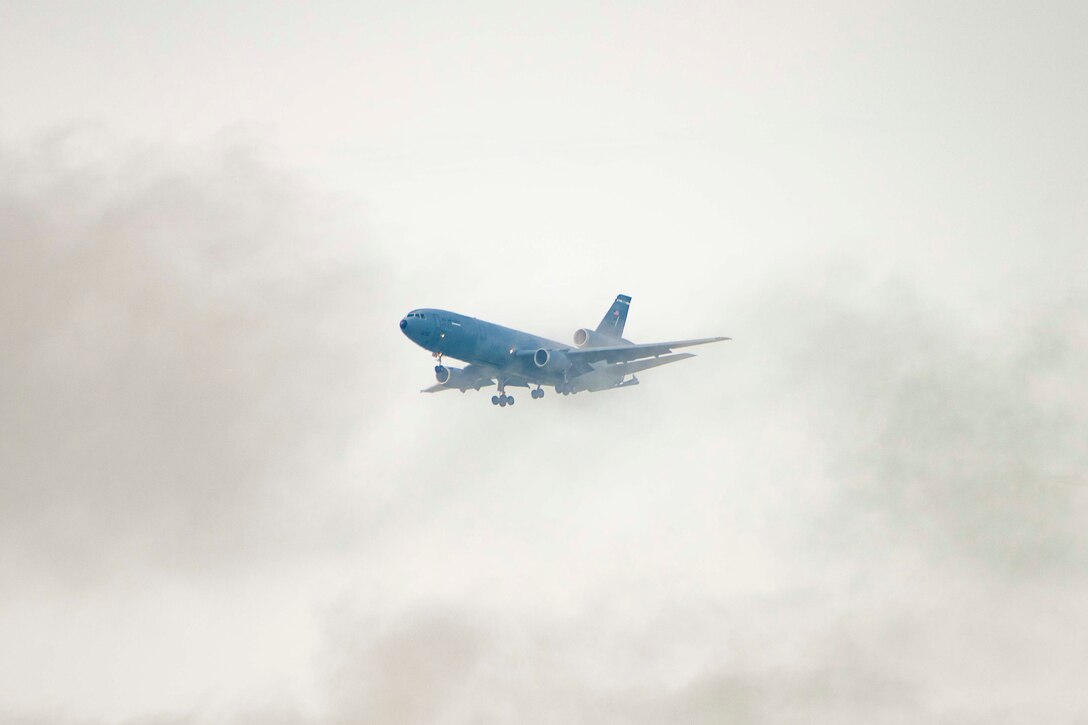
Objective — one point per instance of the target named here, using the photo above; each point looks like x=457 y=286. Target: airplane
x=601 y=359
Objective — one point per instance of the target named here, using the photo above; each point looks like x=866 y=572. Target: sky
x=223 y=499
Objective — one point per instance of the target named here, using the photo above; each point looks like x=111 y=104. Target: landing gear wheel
x=494 y=400
x=502 y=401
x=509 y=399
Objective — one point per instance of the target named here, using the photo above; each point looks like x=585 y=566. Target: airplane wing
x=437 y=388
x=640 y=365
x=473 y=376
x=482 y=383
x=628 y=353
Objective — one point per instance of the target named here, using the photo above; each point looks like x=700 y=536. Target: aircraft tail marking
x=616 y=317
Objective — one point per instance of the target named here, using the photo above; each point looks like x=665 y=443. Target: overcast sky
x=223 y=499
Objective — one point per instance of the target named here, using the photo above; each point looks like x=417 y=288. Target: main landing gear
x=502 y=399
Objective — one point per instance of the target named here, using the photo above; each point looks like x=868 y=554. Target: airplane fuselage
x=477 y=342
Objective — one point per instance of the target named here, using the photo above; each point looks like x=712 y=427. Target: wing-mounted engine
x=458 y=378
x=551 y=360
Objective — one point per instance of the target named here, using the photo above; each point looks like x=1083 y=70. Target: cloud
x=173 y=341
x=448 y=666
x=968 y=437
x=835 y=525
x=987 y=448
x=415 y=670
x=928 y=543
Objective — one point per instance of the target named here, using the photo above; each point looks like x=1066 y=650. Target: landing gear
x=502 y=399
x=538 y=393
x=562 y=389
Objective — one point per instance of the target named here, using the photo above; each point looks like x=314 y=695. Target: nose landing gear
x=538 y=393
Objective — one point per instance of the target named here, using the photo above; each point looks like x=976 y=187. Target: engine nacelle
x=552 y=360
x=588 y=338
x=454 y=377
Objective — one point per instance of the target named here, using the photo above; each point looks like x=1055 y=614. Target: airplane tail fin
x=615 y=318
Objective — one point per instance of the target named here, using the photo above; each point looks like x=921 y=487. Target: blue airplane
x=600 y=359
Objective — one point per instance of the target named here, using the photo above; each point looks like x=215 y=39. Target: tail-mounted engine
x=588 y=338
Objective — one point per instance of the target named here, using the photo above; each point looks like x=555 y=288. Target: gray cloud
x=988 y=448
x=969 y=437
x=451 y=667
x=223 y=500
x=417 y=670
x=954 y=451
x=187 y=360
x=166 y=350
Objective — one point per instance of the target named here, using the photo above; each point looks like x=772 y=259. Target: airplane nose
x=403 y=324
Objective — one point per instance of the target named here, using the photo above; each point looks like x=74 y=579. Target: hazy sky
x=222 y=498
